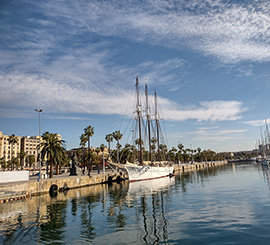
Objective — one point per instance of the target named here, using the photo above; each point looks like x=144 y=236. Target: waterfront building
x=27 y=144
x=9 y=151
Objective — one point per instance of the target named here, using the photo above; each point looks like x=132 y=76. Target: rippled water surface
x=225 y=205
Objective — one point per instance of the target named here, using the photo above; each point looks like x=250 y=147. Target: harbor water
x=229 y=204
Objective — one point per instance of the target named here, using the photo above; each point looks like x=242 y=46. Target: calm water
x=225 y=205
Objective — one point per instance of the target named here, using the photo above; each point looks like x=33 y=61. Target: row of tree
x=52 y=151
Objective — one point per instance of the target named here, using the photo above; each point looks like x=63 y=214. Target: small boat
x=153 y=170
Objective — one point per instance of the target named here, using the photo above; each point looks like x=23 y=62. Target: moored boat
x=155 y=169
x=139 y=173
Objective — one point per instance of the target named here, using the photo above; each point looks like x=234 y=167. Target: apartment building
x=8 y=151
x=27 y=144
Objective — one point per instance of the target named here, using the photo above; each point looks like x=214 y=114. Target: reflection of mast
x=157 y=125
x=139 y=121
x=155 y=219
x=148 y=123
x=165 y=234
x=144 y=218
x=266 y=176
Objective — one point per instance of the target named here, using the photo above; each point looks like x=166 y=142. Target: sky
x=78 y=61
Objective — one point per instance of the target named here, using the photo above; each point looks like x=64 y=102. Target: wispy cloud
x=57 y=96
x=257 y=123
x=231 y=31
x=53 y=61
x=206 y=111
x=217 y=134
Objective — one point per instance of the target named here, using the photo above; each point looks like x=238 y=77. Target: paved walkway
x=4 y=195
x=33 y=178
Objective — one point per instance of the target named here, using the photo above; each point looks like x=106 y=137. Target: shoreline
x=13 y=191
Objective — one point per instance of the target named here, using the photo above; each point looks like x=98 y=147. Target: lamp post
x=39 y=110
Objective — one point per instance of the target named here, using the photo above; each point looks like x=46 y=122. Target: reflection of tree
x=86 y=218
x=9 y=235
x=117 y=194
x=74 y=207
x=54 y=227
x=199 y=176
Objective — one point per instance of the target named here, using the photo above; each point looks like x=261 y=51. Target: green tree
x=89 y=132
x=30 y=159
x=117 y=136
x=3 y=163
x=81 y=154
x=12 y=139
x=52 y=149
x=109 y=139
x=83 y=140
x=22 y=156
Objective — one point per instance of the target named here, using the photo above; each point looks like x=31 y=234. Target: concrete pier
x=13 y=191
x=198 y=166
x=17 y=190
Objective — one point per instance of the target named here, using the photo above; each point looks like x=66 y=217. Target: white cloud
x=256 y=123
x=40 y=69
x=230 y=31
x=207 y=111
x=54 y=95
x=216 y=134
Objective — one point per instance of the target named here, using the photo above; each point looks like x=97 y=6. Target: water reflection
x=188 y=208
x=151 y=208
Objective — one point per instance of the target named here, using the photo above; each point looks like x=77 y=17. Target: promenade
x=13 y=191
x=35 y=186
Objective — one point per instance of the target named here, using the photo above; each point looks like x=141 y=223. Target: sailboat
x=139 y=172
x=265 y=161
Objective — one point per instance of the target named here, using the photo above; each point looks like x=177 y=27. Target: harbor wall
x=198 y=166
x=18 y=190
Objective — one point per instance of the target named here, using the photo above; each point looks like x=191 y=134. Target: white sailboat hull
x=138 y=173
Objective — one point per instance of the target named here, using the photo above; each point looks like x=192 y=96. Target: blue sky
x=78 y=61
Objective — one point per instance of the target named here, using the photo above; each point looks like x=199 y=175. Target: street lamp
x=39 y=110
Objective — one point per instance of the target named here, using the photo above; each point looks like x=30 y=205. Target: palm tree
x=30 y=159
x=109 y=139
x=13 y=139
x=153 y=146
x=83 y=140
x=89 y=132
x=117 y=136
x=22 y=156
x=52 y=149
x=102 y=148
x=3 y=163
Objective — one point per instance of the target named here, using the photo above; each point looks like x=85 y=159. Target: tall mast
x=263 y=149
x=139 y=121
x=267 y=142
x=148 y=116
x=157 y=125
